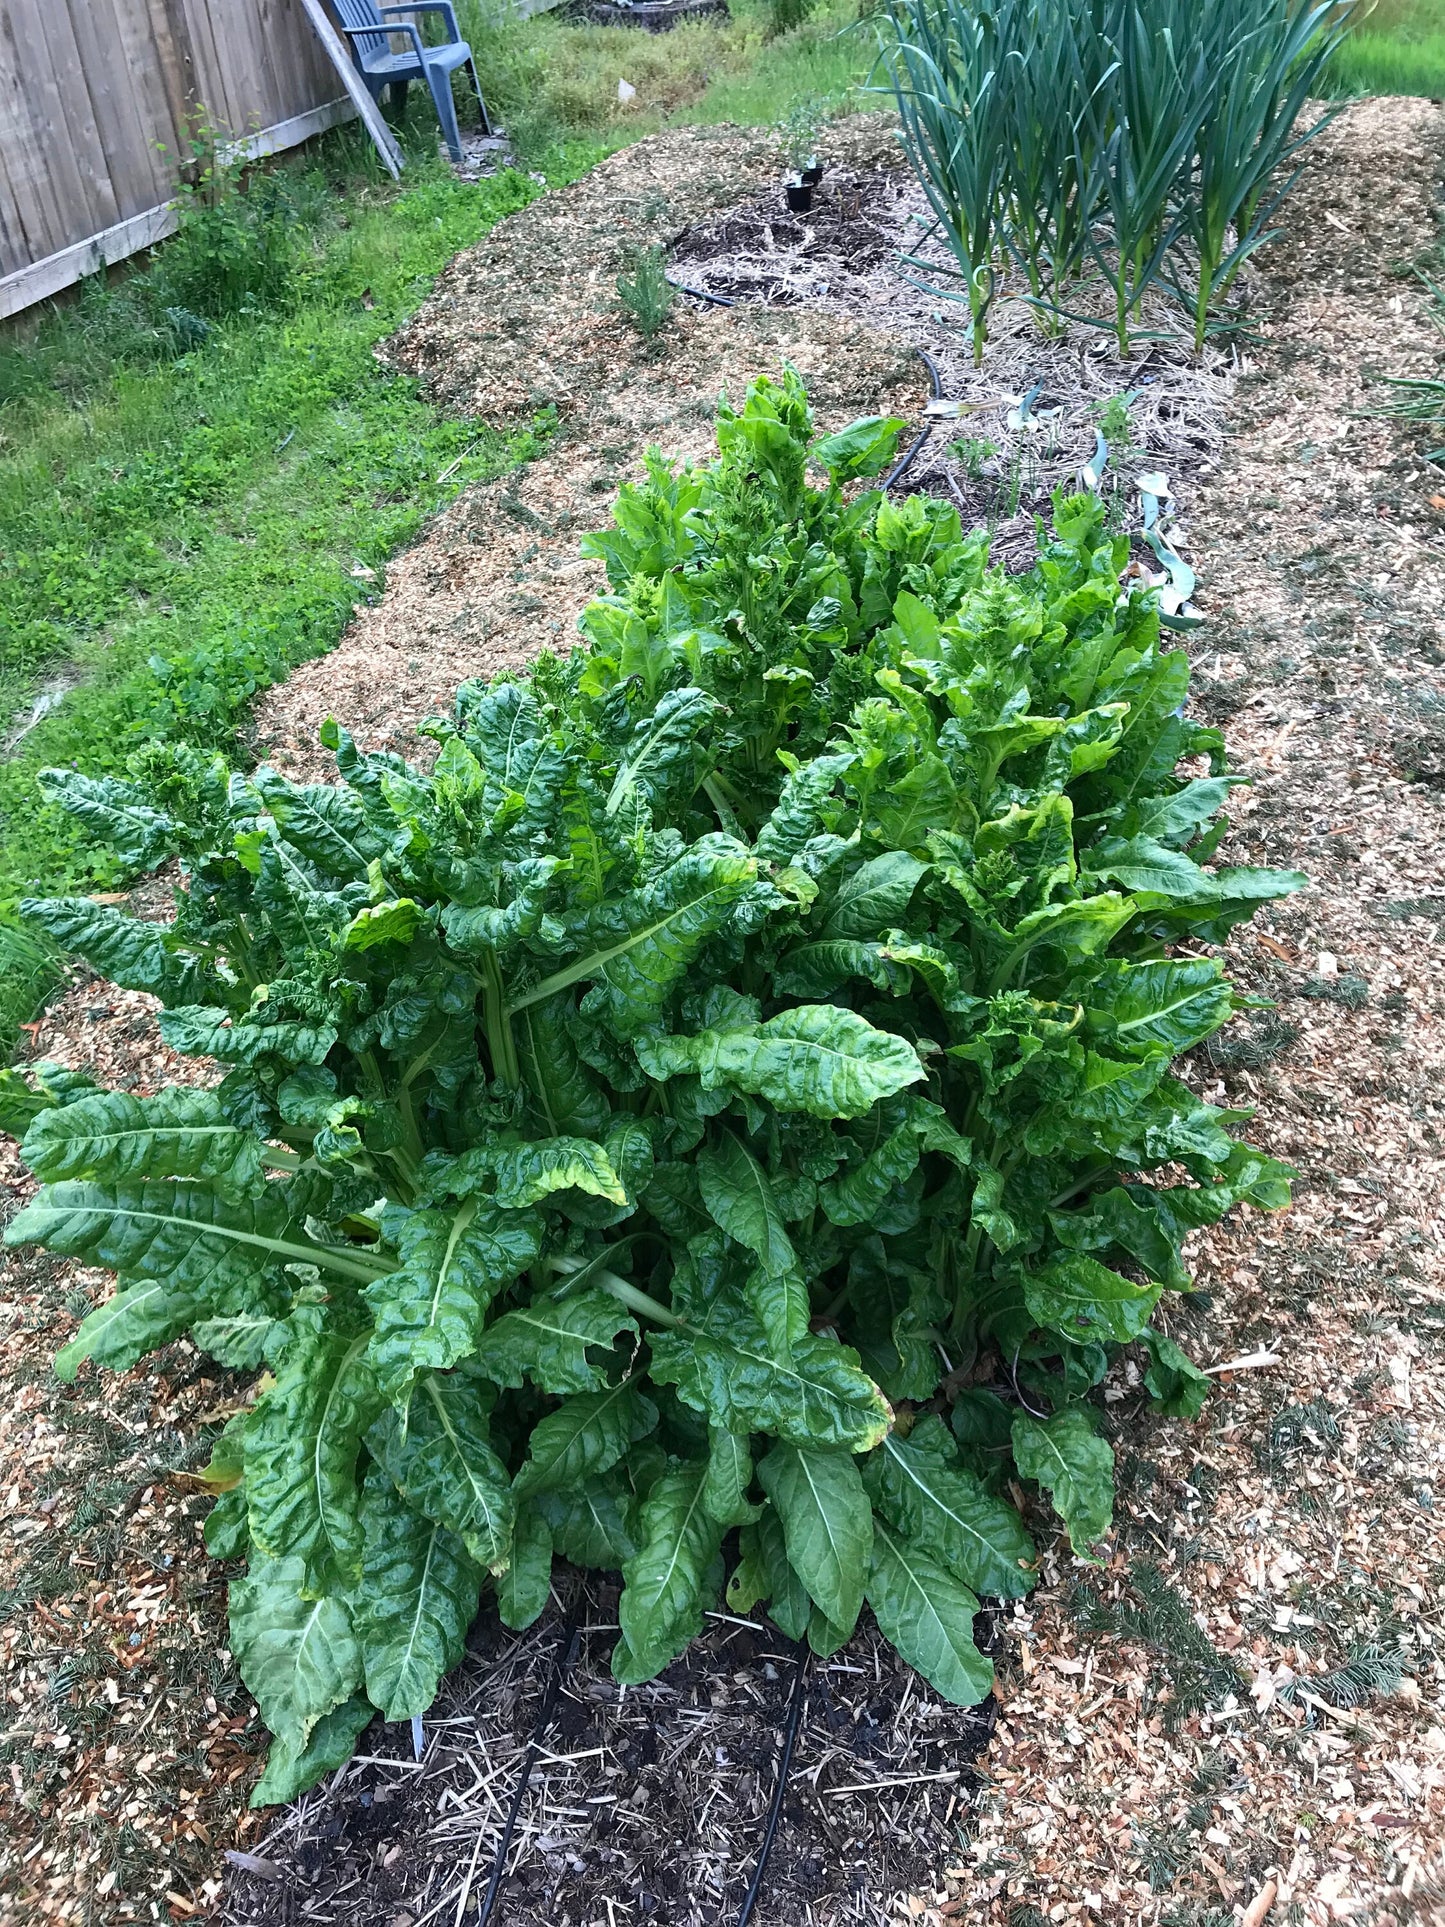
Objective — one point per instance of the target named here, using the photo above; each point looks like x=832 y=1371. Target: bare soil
x=1238 y=1715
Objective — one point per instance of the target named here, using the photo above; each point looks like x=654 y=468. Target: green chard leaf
x=827 y=1525
x=920 y=1487
x=440 y=1458
x=928 y=1615
x=302 y=1444
x=548 y=1341
x=298 y=1656
x=817 y=1058
x=418 y=1595
x=429 y=1313
x=1074 y=1466
x=667 y=1585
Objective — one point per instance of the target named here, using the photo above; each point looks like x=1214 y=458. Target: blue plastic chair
x=368 y=27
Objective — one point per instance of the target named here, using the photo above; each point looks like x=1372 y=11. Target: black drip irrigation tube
x=910 y=455
x=567 y=1649
x=775 y=1805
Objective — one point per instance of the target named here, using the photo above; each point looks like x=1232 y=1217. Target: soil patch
x=650 y=1798
x=1029 y=419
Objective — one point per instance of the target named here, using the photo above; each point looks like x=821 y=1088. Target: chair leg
x=441 y=93
x=484 y=116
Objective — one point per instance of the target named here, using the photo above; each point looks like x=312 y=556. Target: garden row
x=1136 y=147
x=729 y=1091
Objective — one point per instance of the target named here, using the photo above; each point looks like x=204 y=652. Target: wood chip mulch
x=1238 y=1716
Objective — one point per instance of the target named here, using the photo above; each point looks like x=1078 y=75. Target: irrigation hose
x=906 y=460
x=775 y=1806
x=567 y=1647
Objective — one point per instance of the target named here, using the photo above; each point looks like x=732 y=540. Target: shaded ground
x=646 y=1803
x=1243 y=1705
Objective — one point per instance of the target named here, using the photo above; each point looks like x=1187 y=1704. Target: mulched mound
x=645 y=1803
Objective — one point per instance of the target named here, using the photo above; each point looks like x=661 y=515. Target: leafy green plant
x=646 y=295
x=729 y=1090
x=798 y=131
x=946 y=68
x=973 y=451
x=239 y=247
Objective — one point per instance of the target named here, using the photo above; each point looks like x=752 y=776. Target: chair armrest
x=443 y=7
x=390 y=26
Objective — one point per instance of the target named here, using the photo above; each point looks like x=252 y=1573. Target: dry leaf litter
x=1238 y=1715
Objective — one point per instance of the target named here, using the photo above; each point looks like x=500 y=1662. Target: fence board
x=98 y=102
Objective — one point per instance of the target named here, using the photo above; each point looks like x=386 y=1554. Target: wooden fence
x=98 y=99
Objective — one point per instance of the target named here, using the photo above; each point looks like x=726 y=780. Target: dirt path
x=1249 y=1691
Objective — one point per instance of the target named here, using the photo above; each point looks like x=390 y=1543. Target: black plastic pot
x=812 y=174
x=800 y=196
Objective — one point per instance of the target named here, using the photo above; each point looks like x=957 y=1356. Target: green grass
x=200 y=459
x=1397 y=48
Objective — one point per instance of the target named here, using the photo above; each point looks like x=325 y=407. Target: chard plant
x=717 y=1121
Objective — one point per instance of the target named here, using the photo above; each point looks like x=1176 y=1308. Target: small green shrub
x=731 y=1089
x=238 y=248
x=646 y=295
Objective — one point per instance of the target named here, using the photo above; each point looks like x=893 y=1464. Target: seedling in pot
x=799 y=195
x=800 y=142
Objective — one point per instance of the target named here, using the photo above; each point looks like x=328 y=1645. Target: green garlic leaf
x=1074 y=1466
x=827 y=1525
x=928 y=1616
x=418 y=1595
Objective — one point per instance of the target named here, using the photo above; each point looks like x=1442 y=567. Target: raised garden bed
x=655 y=16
